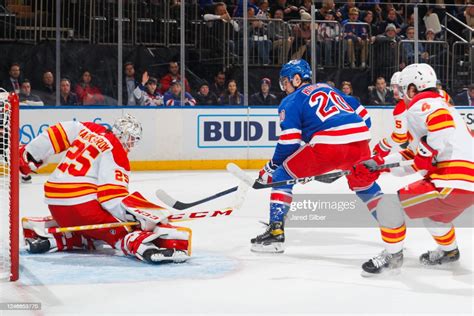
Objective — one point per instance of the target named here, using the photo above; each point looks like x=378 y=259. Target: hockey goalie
x=90 y=186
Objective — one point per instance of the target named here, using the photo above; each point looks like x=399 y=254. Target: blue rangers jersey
x=319 y=114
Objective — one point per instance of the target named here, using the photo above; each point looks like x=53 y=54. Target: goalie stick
x=179 y=205
x=176 y=217
x=255 y=184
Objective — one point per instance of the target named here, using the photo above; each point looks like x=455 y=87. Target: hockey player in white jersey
x=90 y=186
x=399 y=136
x=442 y=147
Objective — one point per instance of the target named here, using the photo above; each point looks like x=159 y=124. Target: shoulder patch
x=282 y=115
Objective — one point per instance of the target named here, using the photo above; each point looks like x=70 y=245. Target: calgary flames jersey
x=429 y=115
x=399 y=134
x=94 y=167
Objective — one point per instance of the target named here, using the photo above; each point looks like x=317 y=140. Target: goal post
x=9 y=186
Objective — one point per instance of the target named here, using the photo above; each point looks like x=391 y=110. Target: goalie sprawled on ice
x=90 y=186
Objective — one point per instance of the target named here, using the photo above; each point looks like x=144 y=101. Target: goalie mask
x=128 y=130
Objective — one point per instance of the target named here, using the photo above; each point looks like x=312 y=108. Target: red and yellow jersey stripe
x=58 y=137
x=54 y=190
x=454 y=170
x=439 y=119
x=109 y=192
x=399 y=138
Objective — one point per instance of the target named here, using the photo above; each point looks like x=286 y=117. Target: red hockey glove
x=381 y=149
x=425 y=156
x=265 y=175
x=365 y=173
x=27 y=163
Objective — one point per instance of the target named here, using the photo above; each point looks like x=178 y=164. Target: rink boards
x=194 y=137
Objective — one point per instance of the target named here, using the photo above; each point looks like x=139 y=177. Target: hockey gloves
x=425 y=156
x=381 y=149
x=365 y=173
x=27 y=163
x=265 y=175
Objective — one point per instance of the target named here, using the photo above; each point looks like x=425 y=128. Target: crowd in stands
x=280 y=30
x=149 y=91
x=274 y=40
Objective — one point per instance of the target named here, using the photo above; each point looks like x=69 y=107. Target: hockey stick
x=177 y=217
x=240 y=174
x=179 y=205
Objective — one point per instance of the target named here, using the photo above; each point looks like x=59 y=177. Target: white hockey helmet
x=422 y=76
x=395 y=80
x=128 y=130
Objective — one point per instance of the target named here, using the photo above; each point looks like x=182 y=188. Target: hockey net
x=9 y=186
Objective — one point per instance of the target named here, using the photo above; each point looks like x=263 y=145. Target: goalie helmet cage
x=9 y=187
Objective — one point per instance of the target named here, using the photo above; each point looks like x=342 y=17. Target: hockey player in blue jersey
x=321 y=130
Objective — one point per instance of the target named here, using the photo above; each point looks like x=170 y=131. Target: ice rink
x=318 y=273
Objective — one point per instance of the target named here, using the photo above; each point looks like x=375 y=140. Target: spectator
x=130 y=83
x=259 y=44
x=263 y=11
x=327 y=6
x=290 y=12
x=172 y=75
x=264 y=97
x=26 y=98
x=218 y=87
x=346 y=88
x=87 y=92
x=328 y=36
x=279 y=32
x=218 y=30
x=381 y=95
x=466 y=97
x=239 y=9
x=332 y=84
x=173 y=96
x=13 y=83
x=232 y=96
x=390 y=19
x=306 y=7
x=302 y=37
x=47 y=92
x=146 y=93
x=408 y=49
x=385 y=48
x=372 y=28
x=204 y=96
x=356 y=38
x=67 y=97
x=411 y=22
x=344 y=11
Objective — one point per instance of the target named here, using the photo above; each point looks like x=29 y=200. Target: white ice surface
x=318 y=273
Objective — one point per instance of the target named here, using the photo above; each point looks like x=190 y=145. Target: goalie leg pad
x=145 y=246
x=37 y=240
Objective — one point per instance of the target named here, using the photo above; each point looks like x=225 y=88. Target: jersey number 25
x=328 y=104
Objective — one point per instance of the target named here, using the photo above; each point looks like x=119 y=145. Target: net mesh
x=5 y=197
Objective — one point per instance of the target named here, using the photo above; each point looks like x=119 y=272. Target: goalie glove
x=425 y=156
x=27 y=163
x=265 y=174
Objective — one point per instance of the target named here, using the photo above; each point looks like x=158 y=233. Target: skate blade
x=272 y=248
x=444 y=266
x=388 y=273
